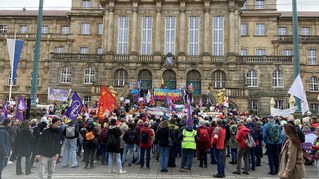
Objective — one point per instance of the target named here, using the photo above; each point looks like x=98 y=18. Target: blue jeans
x=187 y=157
x=128 y=147
x=138 y=152
x=212 y=155
x=220 y=161
x=234 y=154
x=273 y=151
x=253 y=157
x=118 y=161
x=104 y=156
x=148 y=156
x=164 y=157
x=69 y=152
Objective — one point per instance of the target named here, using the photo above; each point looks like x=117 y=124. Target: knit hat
x=44 y=119
x=55 y=119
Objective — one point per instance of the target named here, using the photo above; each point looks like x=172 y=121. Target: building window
x=100 y=29
x=312 y=57
x=279 y=104
x=99 y=51
x=31 y=77
x=244 y=5
x=219 y=78
x=170 y=23
x=260 y=4
x=23 y=29
x=253 y=105
x=59 y=50
x=85 y=28
x=305 y=30
x=14 y=80
x=314 y=107
x=3 y=29
x=146 y=36
x=84 y=50
x=243 y=29
x=287 y=52
x=313 y=84
x=45 y=30
x=260 y=52
x=260 y=29
x=89 y=75
x=277 y=79
x=120 y=77
x=65 y=30
x=252 y=78
x=65 y=76
x=282 y=30
x=218 y=36
x=193 y=36
x=123 y=35
x=243 y=52
x=86 y=4
x=87 y=100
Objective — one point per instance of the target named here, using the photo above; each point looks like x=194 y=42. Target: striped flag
x=14 y=49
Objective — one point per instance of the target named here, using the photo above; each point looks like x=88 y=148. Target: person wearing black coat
x=89 y=145
x=5 y=143
x=163 y=137
x=24 y=147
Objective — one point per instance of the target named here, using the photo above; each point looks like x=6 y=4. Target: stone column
x=182 y=31
x=231 y=31
x=158 y=28
x=110 y=30
x=207 y=31
x=134 y=29
x=105 y=32
x=237 y=31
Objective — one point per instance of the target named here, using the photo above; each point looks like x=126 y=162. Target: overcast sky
x=282 y=5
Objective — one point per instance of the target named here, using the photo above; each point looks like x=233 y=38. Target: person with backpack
x=203 y=143
x=103 y=142
x=90 y=142
x=146 y=143
x=71 y=134
x=232 y=142
x=250 y=124
x=271 y=137
x=164 y=140
x=218 y=139
x=113 y=146
x=130 y=138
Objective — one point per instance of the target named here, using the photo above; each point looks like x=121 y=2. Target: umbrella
x=292 y=101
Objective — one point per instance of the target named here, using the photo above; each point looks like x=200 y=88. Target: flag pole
x=12 y=61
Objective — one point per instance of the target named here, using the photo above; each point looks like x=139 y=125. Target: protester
x=203 y=143
x=253 y=128
x=315 y=147
x=146 y=134
x=163 y=137
x=90 y=141
x=5 y=143
x=243 y=150
x=188 y=138
x=232 y=142
x=129 y=138
x=218 y=138
x=71 y=134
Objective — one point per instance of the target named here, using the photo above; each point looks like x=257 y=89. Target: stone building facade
x=241 y=46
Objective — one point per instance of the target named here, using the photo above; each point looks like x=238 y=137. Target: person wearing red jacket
x=147 y=145
x=243 y=150
x=218 y=139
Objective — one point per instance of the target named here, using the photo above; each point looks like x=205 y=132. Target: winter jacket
x=49 y=144
x=114 y=130
x=24 y=143
x=241 y=136
x=203 y=145
x=150 y=134
x=5 y=142
x=219 y=137
x=162 y=136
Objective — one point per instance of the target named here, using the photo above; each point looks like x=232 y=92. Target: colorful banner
x=58 y=94
x=75 y=108
x=22 y=106
x=160 y=94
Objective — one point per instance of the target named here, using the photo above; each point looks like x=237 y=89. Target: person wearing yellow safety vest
x=188 y=138
x=315 y=147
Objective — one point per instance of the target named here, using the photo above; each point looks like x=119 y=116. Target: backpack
x=89 y=136
x=253 y=131
x=203 y=135
x=130 y=137
x=144 y=137
x=250 y=142
x=70 y=131
x=274 y=133
x=103 y=135
x=111 y=140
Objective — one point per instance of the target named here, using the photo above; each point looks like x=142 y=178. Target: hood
x=252 y=125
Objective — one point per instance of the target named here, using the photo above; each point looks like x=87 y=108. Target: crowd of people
x=133 y=139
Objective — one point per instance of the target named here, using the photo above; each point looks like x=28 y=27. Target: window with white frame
x=122 y=47
x=305 y=30
x=59 y=50
x=84 y=50
x=312 y=56
x=45 y=29
x=23 y=29
x=193 y=36
x=314 y=107
x=279 y=104
x=65 y=30
x=252 y=78
x=3 y=29
x=170 y=25
x=31 y=78
x=313 y=84
x=100 y=29
x=147 y=23
x=260 y=29
x=244 y=5
x=282 y=30
x=243 y=52
x=86 y=4
x=243 y=29
x=14 y=79
x=99 y=51
x=219 y=79
x=120 y=77
x=218 y=36
x=87 y=100
x=287 y=52
x=253 y=104
x=260 y=52
x=277 y=79
x=65 y=76
x=85 y=28
x=260 y=4
x=89 y=75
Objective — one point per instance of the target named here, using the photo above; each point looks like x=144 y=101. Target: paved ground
x=136 y=172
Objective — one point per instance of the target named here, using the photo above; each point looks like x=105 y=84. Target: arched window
x=277 y=79
x=252 y=78
x=120 y=76
x=194 y=78
x=14 y=79
x=31 y=77
x=65 y=76
x=145 y=77
x=313 y=84
x=219 y=79
x=169 y=78
x=89 y=75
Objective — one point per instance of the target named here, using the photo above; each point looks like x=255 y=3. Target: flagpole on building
x=12 y=62
x=36 y=57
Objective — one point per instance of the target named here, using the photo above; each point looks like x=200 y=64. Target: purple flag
x=75 y=108
x=22 y=106
x=166 y=100
x=200 y=102
x=171 y=105
x=189 y=121
x=4 y=111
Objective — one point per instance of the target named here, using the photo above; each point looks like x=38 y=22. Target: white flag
x=298 y=91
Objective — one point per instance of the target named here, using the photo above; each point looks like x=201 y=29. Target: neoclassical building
x=242 y=46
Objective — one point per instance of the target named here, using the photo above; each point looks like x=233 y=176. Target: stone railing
x=234 y=92
x=120 y=58
x=265 y=59
x=28 y=36
x=194 y=59
x=219 y=59
x=145 y=58
x=75 y=56
x=302 y=38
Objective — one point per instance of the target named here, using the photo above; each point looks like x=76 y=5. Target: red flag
x=152 y=101
x=107 y=102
